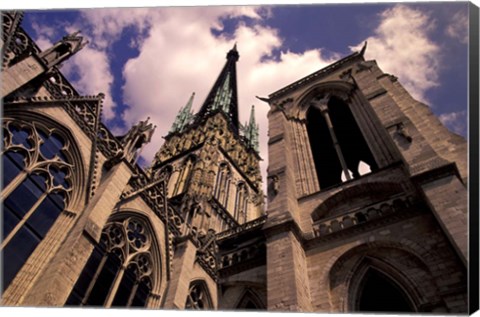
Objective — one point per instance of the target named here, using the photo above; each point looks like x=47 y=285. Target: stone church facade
x=366 y=203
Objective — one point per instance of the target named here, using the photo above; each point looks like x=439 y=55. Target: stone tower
x=367 y=198
x=211 y=162
x=367 y=207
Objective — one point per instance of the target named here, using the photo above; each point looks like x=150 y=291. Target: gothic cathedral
x=365 y=209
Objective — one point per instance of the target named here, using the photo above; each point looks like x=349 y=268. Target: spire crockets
x=223 y=95
x=251 y=131
x=184 y=116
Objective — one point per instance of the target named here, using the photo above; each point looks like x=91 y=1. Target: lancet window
x=198 y=297
x=185 y=175
x=241 y=203
x=36 y=189
x=222 y=188
x=119 y=271
x=339 y=149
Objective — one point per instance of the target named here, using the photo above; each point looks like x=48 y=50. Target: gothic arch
x=250 y=300
x=45 y=191
x=156 y=245
x=199 y=296
x=340 y=89
x=223 y=183
x=363 y=141
x=73 y=154
x=402 y=286
x=241 y=202
x=125 y=267
x=400 y=264
x=186 y=169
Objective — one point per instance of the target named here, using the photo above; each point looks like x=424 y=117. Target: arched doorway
x=378 y=292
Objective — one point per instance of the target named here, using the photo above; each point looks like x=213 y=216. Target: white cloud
x=90 y=67
x=455 y=121
x=108 y=24
x=401 y=46
x=458 y=27
x=179 y=55
x=44 y=35
x=94 y=76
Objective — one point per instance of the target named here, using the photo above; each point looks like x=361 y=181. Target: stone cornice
x=316 y=75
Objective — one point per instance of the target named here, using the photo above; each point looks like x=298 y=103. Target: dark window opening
x=378 y=293
x=351 y=143
x=116 y=275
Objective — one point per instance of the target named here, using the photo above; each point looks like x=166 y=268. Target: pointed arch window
x=380 y=293
x=250 y=301
x=36 y=189
x=185 y=175
x=339 y=149
x=198 y=297
x=222 y=188
x=119 y=271
x=241 y=203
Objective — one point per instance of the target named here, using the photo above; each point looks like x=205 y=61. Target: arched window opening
x=36 y=189
x=379 y=293
x=119 y=271
x=198 y=297
x=250 y=301
x=222 y=185
x=336 y=141
x=185 y=175
x=241 y=203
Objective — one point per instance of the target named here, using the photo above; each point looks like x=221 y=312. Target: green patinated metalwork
x=223 y=96
x=184 y=117
x=251 y=131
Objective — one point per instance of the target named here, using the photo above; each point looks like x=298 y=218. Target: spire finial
x=233 y=53
x=184 y=116
x=251 y=131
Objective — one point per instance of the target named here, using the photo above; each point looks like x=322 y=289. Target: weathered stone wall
x=414 y=152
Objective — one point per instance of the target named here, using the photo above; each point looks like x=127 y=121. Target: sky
x=148 y=61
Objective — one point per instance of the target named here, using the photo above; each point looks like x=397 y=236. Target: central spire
x=223 y=95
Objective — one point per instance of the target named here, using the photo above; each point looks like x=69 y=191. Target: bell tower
x=363 y=180
x=212 y=160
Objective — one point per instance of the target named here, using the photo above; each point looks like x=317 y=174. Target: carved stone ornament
x=403 y=132
x=273 y=186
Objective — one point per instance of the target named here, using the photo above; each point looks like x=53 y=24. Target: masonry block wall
x=393 y=220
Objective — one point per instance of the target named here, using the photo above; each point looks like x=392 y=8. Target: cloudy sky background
x=148 y=61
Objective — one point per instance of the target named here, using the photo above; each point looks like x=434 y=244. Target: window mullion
x=13 y=184
x=324 y=111
x=133 y=293
x=23 y=220
x=94 y=279
x=114 y=288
